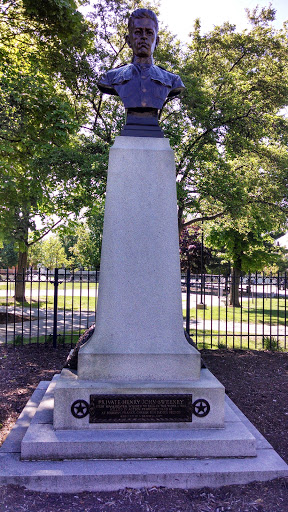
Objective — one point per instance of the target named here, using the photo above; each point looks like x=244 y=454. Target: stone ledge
x=41 y=442
x=103 y=475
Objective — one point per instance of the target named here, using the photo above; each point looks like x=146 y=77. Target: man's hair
x=143 y=13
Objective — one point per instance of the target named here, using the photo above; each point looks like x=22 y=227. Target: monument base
x=43 y=442
x=80 y=475
x=139 y=332
x=81 y=439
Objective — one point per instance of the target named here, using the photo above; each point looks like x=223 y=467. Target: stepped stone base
x=98 y=475
x=43 y=442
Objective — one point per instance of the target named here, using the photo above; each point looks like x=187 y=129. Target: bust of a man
x=142 y=86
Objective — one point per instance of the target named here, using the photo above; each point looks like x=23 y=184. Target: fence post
x=55 y=308
x=188 y=301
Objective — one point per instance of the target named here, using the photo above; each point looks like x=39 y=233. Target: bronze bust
x=143 y=87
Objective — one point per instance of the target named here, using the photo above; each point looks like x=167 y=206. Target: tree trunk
x=234 y=288
x=20 y=276
x=180 y=219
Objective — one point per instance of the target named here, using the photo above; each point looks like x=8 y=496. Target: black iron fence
x=249 y=312
x=46 y=306
x=218 y=311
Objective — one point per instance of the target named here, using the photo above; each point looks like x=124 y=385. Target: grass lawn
x=214 y=340
x=67 y=338
x=43 y=286
x=42 y=295
x=204 y=339
x=267 y=311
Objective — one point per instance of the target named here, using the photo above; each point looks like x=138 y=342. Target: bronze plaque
x=140 y=408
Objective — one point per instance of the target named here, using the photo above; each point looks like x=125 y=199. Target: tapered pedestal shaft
x=139 y=328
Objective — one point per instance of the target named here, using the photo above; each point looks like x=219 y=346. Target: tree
x=84 y=253
x=35 y=253
x=26 y=191
x=232 y=117
x=229 y=124
x=229 y=127
x=49 y=253
x=82 y=241
x=38 y=116
x=48 y=90
x=193 y=253
x=229 y=131
x=245 y=246
x=232 y=161
x=53 y=253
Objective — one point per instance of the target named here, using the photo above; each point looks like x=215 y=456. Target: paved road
x=44 y=325
x=35 y=295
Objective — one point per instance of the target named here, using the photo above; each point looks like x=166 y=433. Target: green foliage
x=236 y=86
x=55 y=13
x=232 y=161
x=35 y=253
x=39 y=118
x=240 y=242
x=18 y=340
x=8 y=256
x=271 y=343
x=53 y=253
x=85 y=251
x=49 y=253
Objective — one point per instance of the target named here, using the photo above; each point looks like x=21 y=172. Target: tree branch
x=206 y=217
x=220 y=214
x=202 y=135
x=98 y=111
x=232 y=67
x=237 y=62
x=10 y=140
x=46 y=233
x=117 y=54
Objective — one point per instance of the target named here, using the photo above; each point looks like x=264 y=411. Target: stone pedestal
x=139 y=330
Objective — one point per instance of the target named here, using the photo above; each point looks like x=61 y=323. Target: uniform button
x=144 y=77
x=143 y=103
x=144 y=90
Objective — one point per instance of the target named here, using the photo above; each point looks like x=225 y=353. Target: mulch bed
x=256 y=381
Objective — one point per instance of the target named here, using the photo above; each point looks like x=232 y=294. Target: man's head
x=143 y=13
x=143 y=30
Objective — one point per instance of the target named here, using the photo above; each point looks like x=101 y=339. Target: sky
x=179 y=15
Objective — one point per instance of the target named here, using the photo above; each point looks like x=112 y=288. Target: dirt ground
x=256 y=381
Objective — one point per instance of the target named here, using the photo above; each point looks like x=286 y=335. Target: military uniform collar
x=143 y=65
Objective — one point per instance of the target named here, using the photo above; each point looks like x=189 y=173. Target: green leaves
x=228 y=130
x=37 y=111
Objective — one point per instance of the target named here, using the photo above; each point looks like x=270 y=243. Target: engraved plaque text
x=140 y=408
